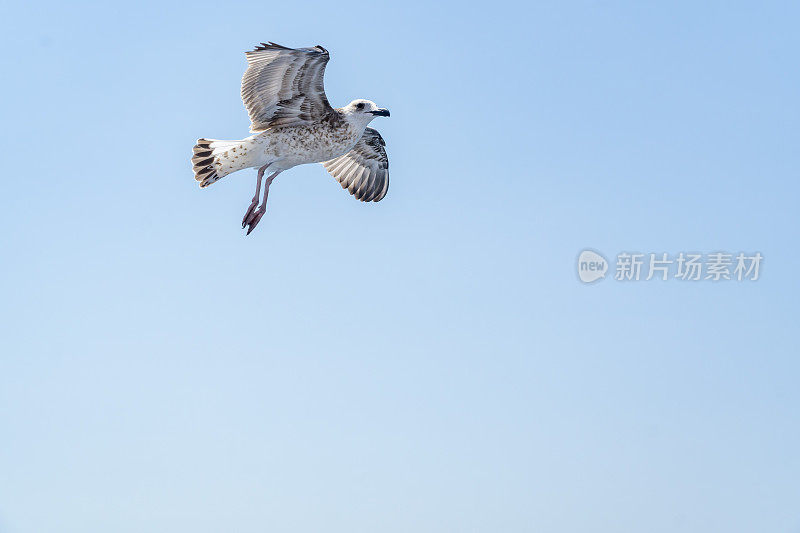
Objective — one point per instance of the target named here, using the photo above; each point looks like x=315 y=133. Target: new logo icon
x=591 y=266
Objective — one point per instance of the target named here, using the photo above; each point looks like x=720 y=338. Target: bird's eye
x=360 y=106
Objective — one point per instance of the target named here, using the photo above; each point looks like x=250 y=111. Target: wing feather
x=285 y=86
x=364 y=170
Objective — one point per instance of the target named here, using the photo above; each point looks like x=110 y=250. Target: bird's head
x=363 y=111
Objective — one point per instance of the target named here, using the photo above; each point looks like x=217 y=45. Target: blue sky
x=430 y=363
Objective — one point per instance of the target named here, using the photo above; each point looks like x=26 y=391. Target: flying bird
x=293 y=124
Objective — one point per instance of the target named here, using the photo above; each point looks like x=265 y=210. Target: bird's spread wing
x=284 y=86
x=364 y=170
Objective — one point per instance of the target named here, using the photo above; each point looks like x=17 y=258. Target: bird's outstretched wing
x=284 y=86
x=364 y=170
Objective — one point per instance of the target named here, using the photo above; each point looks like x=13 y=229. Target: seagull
x=294 y=124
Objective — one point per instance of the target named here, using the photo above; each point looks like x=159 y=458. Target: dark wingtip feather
x=269 y=45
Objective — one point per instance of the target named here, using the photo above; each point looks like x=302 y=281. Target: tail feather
x=206 y=160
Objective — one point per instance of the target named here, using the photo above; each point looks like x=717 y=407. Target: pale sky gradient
x=430 y=363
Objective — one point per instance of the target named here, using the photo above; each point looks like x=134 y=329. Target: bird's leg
x=254 y=217
x=254 y=203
